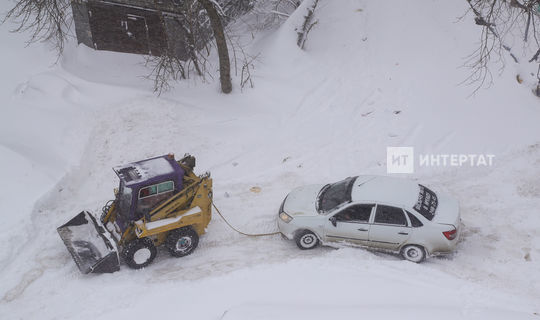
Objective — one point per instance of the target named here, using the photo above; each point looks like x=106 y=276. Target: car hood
x=302 y=201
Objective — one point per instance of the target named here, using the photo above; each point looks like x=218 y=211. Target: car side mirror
x=334 y=221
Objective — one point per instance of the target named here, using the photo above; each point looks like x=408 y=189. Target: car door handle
x=403 y=233
x=362 y=229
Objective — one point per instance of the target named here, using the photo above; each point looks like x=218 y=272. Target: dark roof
x=165 y=5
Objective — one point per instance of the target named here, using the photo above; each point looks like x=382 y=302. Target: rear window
x=427 y=203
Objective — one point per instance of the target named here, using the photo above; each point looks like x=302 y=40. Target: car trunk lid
x=447 y=211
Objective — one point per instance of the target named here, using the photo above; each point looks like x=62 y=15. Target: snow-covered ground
x=374 y=74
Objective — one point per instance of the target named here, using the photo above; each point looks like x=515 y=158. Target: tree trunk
x=221 y=43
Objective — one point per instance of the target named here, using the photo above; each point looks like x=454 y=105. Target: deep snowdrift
x=314 y=116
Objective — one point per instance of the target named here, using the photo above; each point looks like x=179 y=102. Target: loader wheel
x=182 y=242
x=139 y=253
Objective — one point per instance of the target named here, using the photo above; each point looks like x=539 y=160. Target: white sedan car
x=379 y=212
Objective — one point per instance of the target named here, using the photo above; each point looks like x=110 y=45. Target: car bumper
x=287 y=229
x=444 y=247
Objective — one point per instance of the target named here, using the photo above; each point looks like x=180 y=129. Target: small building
x=132 y=26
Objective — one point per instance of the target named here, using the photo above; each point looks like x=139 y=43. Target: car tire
x=413 y=253
x=306 y=240
x=139 y=253
x=182 y=242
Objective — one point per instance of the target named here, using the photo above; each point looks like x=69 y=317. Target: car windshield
x=427 y=202
x=335 y=194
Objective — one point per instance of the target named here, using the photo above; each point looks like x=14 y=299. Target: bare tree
x=164 y=69
x=308 y=24
x=46 y=20
x=201 y=19
x=50 y=20
x=221 y=44
x=273 y=12
x=168 y=67
x=502 y=23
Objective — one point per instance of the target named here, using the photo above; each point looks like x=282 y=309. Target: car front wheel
x=413 y=253
x=306 y=240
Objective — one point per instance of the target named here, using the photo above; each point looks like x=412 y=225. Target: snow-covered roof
x=136 y=172
x=139 y=3
x=387 y=190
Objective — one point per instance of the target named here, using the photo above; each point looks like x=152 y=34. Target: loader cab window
x=165 y=187
x=156 y=189
x=124 y=195
x=151 y=196
x=148 y=191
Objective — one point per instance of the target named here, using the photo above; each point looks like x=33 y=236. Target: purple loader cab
x=139 y=176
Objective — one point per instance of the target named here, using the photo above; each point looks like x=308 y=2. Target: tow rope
x=240 y=232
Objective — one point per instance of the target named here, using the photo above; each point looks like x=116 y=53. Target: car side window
x=390 y=215
x=414 y=220
x=355 y=213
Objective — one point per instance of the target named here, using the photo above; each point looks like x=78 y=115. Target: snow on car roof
x=139 y=171
x=385 y=190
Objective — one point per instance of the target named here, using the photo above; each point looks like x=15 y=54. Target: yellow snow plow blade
x=90 y=244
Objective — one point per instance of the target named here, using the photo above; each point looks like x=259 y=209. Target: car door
x=350 y=224
x=389 y=228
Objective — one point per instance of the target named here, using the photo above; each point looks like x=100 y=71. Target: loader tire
x=182 y=242
x=139 y=253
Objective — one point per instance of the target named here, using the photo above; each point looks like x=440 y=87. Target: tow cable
x=240 y=232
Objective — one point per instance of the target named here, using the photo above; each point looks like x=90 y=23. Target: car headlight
x=285 y=217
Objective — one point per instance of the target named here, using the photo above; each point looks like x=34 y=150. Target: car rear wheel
x=306 y=240
x=413 y=253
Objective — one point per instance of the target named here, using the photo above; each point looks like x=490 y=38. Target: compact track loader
x=159 y=201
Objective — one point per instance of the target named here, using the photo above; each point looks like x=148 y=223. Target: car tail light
x=451 y=234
